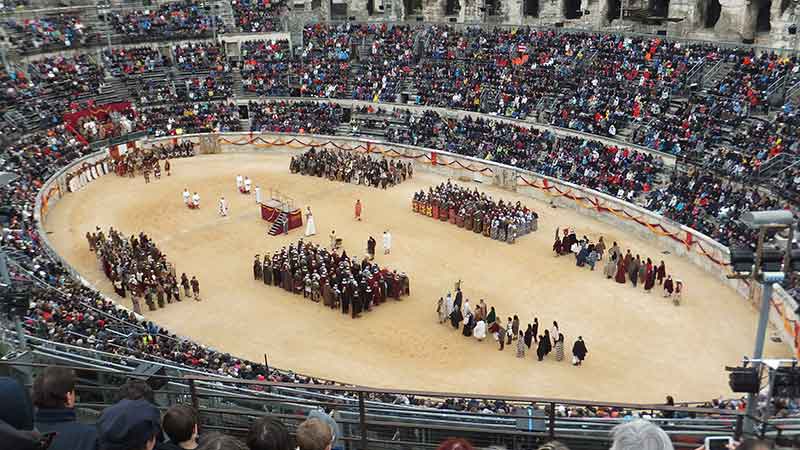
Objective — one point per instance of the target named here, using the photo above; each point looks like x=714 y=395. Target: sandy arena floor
x=641 y=347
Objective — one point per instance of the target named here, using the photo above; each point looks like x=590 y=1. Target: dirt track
x=641 y=347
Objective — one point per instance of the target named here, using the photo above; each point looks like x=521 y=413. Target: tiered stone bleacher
x=50 y=33
x=258 y=16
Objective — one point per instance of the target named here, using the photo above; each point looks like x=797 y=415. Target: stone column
x=551 y=11
x=513 y=11
x=433 y=10
x=470 y=11
x=358 y=8
x=732 y=18
x=688 y=10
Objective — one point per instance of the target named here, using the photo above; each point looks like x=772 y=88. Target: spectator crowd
x=625 y=87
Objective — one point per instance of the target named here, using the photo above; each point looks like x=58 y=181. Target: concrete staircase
x=716 y=75
x=277 y=226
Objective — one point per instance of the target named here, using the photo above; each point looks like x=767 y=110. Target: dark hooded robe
x=661 y=273
x=267 y=273
x=579 y=350
x=456 y=317
x=620 y=277
x=528 y=336
x=668 y=286
x=541 y=349
x=469 y=326
x=458 y=301
x=257 y=269
x=649 y=279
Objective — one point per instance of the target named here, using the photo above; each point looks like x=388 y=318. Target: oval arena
x=254 y=214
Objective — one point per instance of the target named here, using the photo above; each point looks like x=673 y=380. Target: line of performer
x=482 y=319
x=476 y=211
x=622 y=268
x=351 y=167
x=147 y=160
x=326 y=276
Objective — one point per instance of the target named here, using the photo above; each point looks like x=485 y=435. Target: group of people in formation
x=330 y=277
x=351 y=167
x=137 y=267
x=480 y=321
x=476 y=211
x=621 y=267
x=147 y=161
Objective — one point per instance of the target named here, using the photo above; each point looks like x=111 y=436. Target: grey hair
x=640 y=435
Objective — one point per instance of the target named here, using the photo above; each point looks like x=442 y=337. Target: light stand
x=764 y=221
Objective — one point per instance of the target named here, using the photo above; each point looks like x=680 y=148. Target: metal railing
x=520 y=421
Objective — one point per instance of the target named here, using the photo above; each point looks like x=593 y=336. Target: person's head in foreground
x=553 y=445
x=267 y=433
x=640 y=435
x=129 y=425
x=219 y=441
x=314 y=434
x=180 y=426
x=456 y=444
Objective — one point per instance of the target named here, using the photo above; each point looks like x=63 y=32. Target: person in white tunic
x=247 y=184
x=311 y=228
x=480 y=330
x=387 y=242
x=223 y=207
x=258 y=195
x=448 y=303
x=239 y=183
x=196 y=200
x=186 y=196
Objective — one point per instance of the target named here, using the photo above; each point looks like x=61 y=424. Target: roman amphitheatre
x=641 y=347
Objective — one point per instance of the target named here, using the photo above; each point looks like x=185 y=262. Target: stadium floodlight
x=758 y=219
x=742 y=259
x=771 y=265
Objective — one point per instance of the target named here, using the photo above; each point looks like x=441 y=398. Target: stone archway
x=710 y=11
x=763 y=16
x=572 y=9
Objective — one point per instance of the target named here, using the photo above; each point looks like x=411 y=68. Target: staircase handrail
x=715 y=69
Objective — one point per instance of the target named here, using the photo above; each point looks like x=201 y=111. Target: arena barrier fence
x=698 y=248
x=231 y=405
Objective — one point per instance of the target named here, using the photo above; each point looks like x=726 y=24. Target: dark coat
x=579 y=350
x=71 y=434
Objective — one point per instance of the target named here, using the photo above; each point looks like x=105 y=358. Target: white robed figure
x=258 y=195
x=186 y=197
x=196 y=200
x=387 y=242
x=311 y=227
x=480 y=330
x=223 y=207
x=239 y=183
x=247 y=184
x=448 y=303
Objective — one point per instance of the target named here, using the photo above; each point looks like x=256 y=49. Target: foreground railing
x=516 y=422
